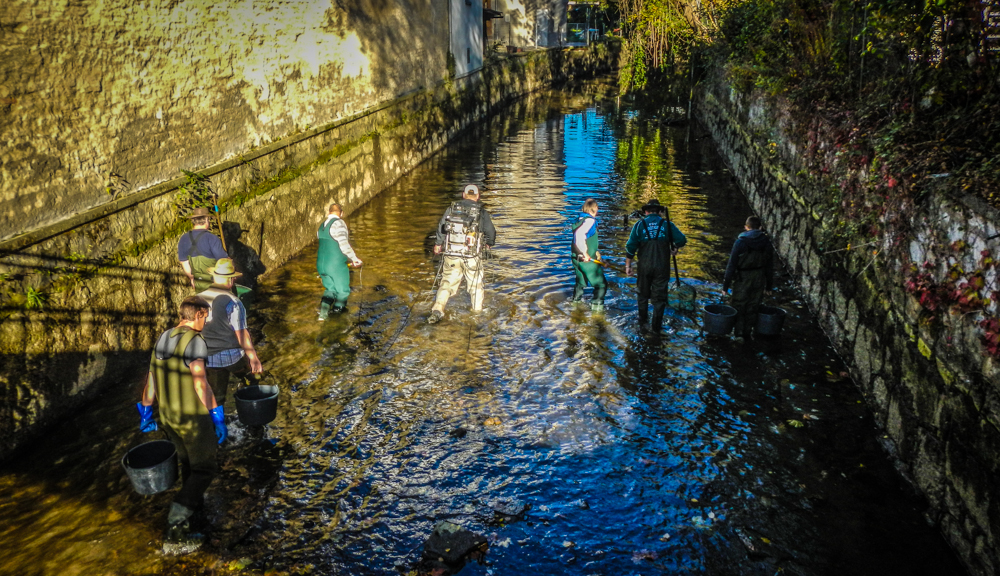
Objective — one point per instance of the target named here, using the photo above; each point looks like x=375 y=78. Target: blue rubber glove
x=218 y=415
x=146 y=422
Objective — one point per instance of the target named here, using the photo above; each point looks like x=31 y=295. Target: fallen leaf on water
x=493 y=421
x=765 y=540
x=795 y=423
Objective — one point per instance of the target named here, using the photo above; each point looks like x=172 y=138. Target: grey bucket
x=769 y=320
x=257 y=405
x=151 y=466
x=718 y=318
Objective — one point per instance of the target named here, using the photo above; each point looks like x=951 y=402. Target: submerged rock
x=452 y=545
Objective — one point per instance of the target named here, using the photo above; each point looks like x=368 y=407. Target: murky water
x=626 y=454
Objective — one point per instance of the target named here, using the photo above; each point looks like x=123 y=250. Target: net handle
x=670 y=240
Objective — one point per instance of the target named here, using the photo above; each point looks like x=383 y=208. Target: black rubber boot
x=179 y=538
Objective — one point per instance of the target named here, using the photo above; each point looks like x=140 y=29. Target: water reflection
x=619 y=454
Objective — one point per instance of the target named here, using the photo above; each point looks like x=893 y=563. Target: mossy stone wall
x=933 y=387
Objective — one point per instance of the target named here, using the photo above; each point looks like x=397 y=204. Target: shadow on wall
x=68 y=327
x=246 y=259
x=401 y=39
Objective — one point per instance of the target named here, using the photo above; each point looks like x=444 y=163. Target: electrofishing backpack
x=461 y=227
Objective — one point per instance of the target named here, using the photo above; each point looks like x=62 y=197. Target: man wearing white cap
x=463 y=233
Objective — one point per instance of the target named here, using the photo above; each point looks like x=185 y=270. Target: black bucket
x=151 y=466
x=718 y=318
x=257 y=405
x=769 y=320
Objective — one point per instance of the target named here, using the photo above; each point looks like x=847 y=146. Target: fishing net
x=681 y=296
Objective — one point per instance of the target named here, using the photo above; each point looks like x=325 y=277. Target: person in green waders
x=331 y=262
x=191 y=418
x=585 y=244
x=654 y=240
x=750 y=273
x=199 y=249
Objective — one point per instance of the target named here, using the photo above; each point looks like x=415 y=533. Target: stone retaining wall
x=934 y=389
x=106 y=284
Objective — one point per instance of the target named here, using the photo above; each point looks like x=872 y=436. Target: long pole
x=218 y=220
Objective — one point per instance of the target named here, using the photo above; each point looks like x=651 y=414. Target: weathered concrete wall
x=935 y=390
x=125 y=94
x=109 y=283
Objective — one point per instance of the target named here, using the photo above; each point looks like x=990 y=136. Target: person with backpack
x=750 y=273
x=463 y=233
x=199 y=249
x=654 y=240
x=586 y=257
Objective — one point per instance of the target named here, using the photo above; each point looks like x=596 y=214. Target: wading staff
x=409 y=310
x=361 y=287
x=607 y=264
x=218 y=220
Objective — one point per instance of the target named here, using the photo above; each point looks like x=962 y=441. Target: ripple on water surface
x=632 y=455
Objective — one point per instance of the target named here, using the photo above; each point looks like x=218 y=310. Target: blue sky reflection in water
x=637 y=456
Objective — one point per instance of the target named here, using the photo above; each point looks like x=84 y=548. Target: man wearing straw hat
x=199 y=249
x=654 y=240
x=230 y=349
x=191 y=418
x=750 y=272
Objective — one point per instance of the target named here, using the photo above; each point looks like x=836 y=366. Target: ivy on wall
x=892 y=98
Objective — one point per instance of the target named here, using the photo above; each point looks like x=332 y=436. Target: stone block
x=927 y=469
x=971 y=484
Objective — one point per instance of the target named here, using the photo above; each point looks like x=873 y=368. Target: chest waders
x=748 y=289
x=653 y=274
x=185 y=421
x=331 y=265
x=200 y=264
x=589 y=272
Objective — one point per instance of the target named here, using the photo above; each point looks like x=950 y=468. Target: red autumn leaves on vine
x=961 y=292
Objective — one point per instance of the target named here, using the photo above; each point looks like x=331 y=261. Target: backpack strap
x=194 y=243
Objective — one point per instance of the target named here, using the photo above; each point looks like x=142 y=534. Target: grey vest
x=219 y=334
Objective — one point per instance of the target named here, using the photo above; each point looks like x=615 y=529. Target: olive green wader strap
x=175 y=391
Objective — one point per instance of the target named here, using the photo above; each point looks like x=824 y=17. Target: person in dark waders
x=199 y=249
x=189 y=414
x=654 y=240
x=585 y=245
x=331 y=262
x=750 y=273
x=463 y=232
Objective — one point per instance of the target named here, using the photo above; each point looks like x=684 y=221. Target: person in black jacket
x=463 y=233
x=749 y=272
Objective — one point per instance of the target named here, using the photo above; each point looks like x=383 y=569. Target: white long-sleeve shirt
x=338 y=231
x=582 y=233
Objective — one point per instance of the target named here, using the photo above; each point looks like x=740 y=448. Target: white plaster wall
x=467 y=35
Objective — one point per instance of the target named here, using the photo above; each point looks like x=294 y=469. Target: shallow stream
x=572 y=441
